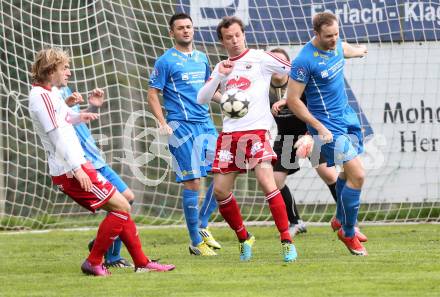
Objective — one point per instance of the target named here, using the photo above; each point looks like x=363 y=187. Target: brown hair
x=46 y=62
x=323 y=19
x=226 y=22
x=280 y=51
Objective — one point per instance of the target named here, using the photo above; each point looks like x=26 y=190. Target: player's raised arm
x=96 y=100
x=208 y=91
x=74 y=99
x=354 y=51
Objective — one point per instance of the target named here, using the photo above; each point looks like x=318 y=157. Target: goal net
x=113 y=45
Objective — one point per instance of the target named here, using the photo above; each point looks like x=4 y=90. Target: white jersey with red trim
x=48 y=112
x=252 y=73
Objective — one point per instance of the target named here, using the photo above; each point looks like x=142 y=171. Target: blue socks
x=340 y=184
x=208 y=207
x=350 y=199
x=113 y=254
x=191 y=211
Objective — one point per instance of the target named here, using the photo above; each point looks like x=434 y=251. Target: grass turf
x=404 y=260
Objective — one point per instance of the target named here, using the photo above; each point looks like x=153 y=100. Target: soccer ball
x=235 y=103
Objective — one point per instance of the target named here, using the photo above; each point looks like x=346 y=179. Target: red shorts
x=102 y=189
x=242 y=151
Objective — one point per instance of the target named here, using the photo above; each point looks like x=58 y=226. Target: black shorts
x=289 y=132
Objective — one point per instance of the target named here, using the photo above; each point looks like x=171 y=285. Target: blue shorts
x=347 y=141
x=192 y=146
x=113 y=178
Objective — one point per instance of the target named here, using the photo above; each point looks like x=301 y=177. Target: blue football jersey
x=322 y=73
x=92 y=153
x=180 y=76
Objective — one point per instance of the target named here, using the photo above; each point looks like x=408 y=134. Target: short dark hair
x=178 y=16
x=280 y=51
x=226 y=22
x=323 y=19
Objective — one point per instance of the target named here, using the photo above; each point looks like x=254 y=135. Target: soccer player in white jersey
x=53 y=120
x=92 y=154
x=318 y=72
x=243 y=143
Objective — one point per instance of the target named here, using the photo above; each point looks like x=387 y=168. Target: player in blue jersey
x=93 y=154
x=179 y=74
x=318 y=72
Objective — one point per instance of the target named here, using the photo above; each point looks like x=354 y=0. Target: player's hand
x=96 y=97
x=225 y=67
x=83 y=179
x=363 y=51
x=304 y=146
x=325 y=135
x=277 y=106
x=165 y=129
x=74 y=99
x=86 y=117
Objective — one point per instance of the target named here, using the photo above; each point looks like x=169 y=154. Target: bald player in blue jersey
x=318 y=72
x=179 y=74
x=93 y=155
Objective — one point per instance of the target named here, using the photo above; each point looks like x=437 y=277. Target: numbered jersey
x=252 y=73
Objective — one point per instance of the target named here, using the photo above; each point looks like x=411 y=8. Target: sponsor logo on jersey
x=239 y=82
x=324 y=73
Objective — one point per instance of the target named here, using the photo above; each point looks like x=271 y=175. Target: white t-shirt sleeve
x=208 y=90
x=273 y=64
x=44 y=110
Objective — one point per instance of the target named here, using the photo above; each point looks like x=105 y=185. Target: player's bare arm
x=354 y=50
x=156 y=109
x=294 y=92
x=277 y=106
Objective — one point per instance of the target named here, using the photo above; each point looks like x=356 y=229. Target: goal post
x=113 y=45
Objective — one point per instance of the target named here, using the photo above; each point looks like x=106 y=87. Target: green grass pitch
x=404 y=260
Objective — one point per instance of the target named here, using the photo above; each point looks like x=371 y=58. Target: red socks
x=130 y=237
x=108 y=230
x=231 y=213
x=279 y=214
x=117 y=223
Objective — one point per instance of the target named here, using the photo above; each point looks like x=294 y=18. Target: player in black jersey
x=290 y=128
